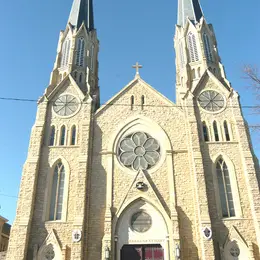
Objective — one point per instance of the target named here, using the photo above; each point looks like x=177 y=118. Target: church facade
x=139 y=177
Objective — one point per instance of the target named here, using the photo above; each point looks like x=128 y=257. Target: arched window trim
x=132 y=100
x=193 y=48
x=52 y=138
x=142 y=102
x=62 y=139
x=92 y=50
x=234 y=185
x=216 y=131
x=182 y=59
x=226 y=131
x=205 y=131
x=80 y=52
x=65 y=52
x=46 y=210
x=207 y=47
x=73 y=135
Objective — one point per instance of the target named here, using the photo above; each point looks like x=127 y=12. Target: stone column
x=206 y=249
x=18 y=244
x=248 y=164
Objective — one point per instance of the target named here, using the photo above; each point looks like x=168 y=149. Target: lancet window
x=57 y=192
x=215 y=129
x=225 y=190
x=194 y=55
x=226 y=131
x=73 y=135
x=207 y=47
x=65 y=53
x=52 y=136
x=80 y=52
x=205 y=132
x=62 y=135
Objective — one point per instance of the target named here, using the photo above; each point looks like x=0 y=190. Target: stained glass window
x=57 y=192
x=225 y=190
x=141 y=222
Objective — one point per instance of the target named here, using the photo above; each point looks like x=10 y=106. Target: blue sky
x=129 y=31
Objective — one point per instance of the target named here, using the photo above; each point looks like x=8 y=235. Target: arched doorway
x=141 y=233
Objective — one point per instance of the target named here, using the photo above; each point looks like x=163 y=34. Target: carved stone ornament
x=207 y=233
x=76 y=236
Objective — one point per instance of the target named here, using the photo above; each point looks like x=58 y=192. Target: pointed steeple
x=82 y=11
x=190 y=9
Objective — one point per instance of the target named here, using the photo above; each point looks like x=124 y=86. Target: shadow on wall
x=96 y=208
x=189 y=250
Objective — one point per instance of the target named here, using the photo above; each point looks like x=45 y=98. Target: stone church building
x=139 y=178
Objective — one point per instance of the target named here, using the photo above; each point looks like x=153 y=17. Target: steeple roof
x=190 y=9
x=82 y=11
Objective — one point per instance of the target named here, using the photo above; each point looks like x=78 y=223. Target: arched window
x=75 y=75
x=80 y=77
x=132 y=102
x=142 y=102
x=199 y=73
x=226 y=131
x=52 y=136
x=182 y=62
x=205 y=132
x=73 y=135
x=225 y=190
x=193 y=74
x=65 y=53
x=62 y=135
x=215 y=128
x=207 y=47
x=80 y=52
x=57 y=192
x=92 y=57
x=194 y=55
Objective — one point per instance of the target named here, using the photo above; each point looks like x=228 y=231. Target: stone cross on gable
x=137 y=66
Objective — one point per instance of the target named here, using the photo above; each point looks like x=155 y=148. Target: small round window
x=211 y=101
x=141 y=222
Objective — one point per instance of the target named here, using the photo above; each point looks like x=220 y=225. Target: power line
x=112 y=104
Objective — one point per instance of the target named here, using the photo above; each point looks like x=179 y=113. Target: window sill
x=55 y=222
x=64 y=146
x=234 y=219
x=221 y=142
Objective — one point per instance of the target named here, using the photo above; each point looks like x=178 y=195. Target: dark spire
x=190 y=9
x=82 y=11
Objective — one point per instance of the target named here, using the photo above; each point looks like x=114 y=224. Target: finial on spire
x=189 y=9
x=137 y=66
x=82 y=12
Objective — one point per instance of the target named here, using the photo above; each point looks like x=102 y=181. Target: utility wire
x=112 y=104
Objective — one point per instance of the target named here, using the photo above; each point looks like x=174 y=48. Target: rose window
x=234 y=250
x=49 y=253
x=139 y=151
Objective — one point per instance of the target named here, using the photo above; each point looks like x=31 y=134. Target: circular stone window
x=211 y=100
x=139 y=151
x=66 y=105
x=141 y=222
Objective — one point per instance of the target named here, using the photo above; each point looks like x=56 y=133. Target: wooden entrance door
x=142 y=252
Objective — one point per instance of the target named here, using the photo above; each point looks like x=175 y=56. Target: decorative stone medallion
x=211 y=101
x=234 y=250
x=139 y=151
x=66 y=105
x=76 y=236
x=49 y=253
x=207 y=233
x=141 y=222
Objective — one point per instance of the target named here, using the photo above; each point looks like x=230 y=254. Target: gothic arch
x=233 y=181
x=48 y=187
x=158 y=232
